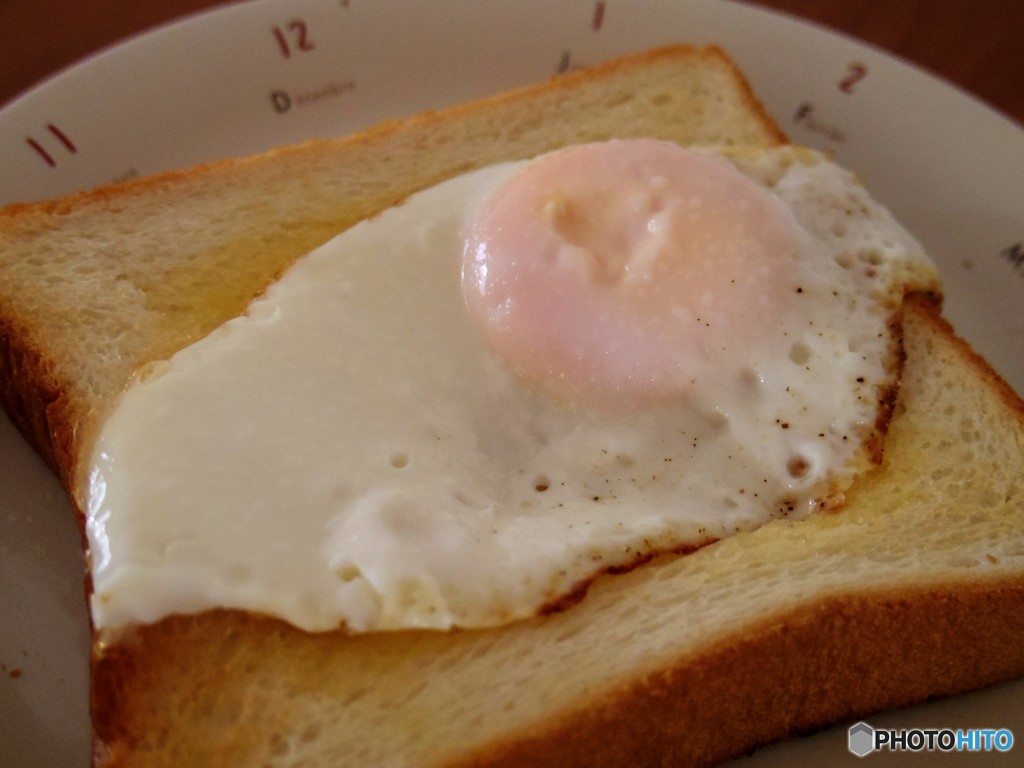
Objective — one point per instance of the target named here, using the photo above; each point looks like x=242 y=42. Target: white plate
x=259 y=74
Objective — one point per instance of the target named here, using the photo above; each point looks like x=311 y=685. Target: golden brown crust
x=930 y=302
x=33 y=398
x=753 y=103
x=928 y=308
x=796 y=673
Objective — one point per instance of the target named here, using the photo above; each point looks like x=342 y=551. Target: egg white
x=352 y=453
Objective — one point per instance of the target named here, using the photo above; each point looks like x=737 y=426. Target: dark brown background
x=978 y=44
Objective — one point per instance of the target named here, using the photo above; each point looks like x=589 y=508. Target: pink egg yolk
x=614 y=273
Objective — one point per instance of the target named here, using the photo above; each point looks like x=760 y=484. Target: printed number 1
x=299 y=37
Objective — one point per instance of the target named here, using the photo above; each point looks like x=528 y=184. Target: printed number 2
x=856 y=73
x=294 y=34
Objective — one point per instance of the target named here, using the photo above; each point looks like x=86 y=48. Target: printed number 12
x=299 y=34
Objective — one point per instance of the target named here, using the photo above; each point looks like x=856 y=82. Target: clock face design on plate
x=255 y=75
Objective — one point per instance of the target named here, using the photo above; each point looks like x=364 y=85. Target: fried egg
x=461 y=411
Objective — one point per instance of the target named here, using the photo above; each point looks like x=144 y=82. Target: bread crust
x=927 y=308
x=35 y=399
x=792 y=675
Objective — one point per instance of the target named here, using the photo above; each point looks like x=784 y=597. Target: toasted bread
x=915 y=589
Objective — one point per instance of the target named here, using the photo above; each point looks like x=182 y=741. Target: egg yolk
x=613 y=273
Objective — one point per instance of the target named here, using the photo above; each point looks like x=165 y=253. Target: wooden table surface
x=977 y=44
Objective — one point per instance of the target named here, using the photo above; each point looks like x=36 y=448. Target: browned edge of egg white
x=831 y=501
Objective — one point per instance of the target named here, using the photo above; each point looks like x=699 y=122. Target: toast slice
x=685 y=661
